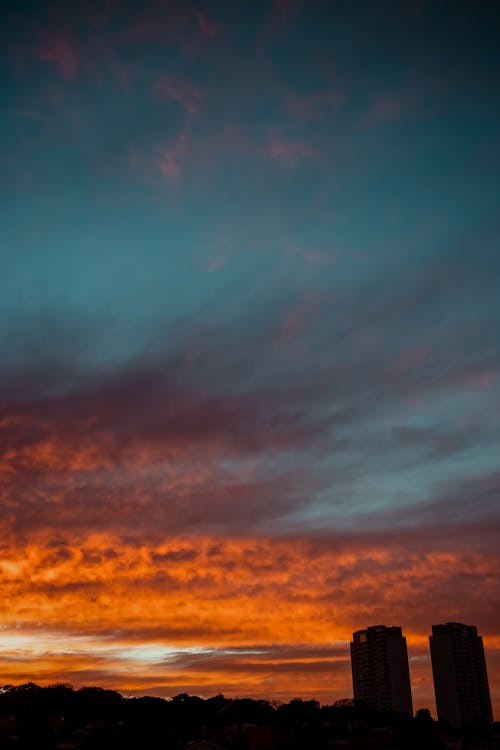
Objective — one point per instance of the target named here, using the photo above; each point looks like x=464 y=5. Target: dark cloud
x=459 y=505
x=263 y=659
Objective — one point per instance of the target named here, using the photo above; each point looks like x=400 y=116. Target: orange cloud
x=247 y=616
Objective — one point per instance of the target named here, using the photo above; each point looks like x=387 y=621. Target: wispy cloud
x=60 y=50
x=290 y=153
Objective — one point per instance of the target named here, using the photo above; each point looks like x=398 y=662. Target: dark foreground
x=60 y=718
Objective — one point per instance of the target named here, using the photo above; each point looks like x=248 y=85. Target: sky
x=249 y=340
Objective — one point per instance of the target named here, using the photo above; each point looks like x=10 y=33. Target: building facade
x=380 y=673
x=460 y=677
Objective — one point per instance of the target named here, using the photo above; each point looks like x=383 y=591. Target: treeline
x=92 y=718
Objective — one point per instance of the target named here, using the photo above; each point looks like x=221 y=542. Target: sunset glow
x=249 y=341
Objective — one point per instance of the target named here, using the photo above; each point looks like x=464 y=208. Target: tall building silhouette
x=460 y=677
x=380 y=674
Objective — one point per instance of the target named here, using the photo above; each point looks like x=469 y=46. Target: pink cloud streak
x=59 y=49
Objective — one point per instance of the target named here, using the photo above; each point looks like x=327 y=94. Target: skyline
x=380 y=672
x=460 y=674
x=250 y=362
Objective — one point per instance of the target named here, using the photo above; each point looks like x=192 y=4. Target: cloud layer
x=250 y=368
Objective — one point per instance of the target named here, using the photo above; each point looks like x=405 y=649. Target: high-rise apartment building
x=380 y=674
x=460 y=677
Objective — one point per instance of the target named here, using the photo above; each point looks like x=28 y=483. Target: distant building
x=380 y=674
x=460 y=678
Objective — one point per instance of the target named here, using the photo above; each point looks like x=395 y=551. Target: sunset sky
x=249 y=340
